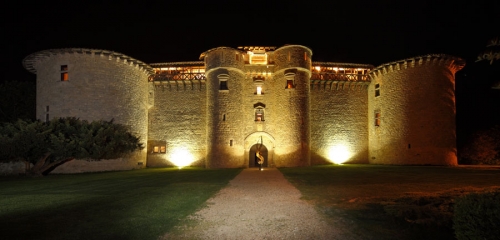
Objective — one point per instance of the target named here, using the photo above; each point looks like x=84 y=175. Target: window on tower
x=289 y=84
x=259 y=115
x=377 y=90
x=377 y=118
x=64 y=73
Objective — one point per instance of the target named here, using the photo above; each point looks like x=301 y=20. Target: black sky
x=372 y=32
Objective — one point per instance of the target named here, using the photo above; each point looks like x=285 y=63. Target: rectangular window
x=223 y=85
x=156 y=149
x=289 y=84
x=377 y=118
x=259 y=90
x=64 y=76
x=163 y=149
x=377 y=90
x=64 y=73
x=237 y=57
x=231 y=143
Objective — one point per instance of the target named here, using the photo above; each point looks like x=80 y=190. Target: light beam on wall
x=339 y=154
x=181 y=157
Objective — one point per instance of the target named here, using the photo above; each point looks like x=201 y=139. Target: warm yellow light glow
x=318 y=68
x=181 y=157
x=259 y=90
x=339 y=154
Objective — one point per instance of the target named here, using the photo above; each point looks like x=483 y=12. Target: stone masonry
x=216 y=112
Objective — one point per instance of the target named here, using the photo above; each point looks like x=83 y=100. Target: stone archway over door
x=252 y=158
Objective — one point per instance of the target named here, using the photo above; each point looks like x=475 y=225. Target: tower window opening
x=259 y=115
x=231 y=142
x=289 y=84
x=64 y=73
x=224 y=117
x=223 y=85
x=377 y=118
x=237 y=57
x=259 y=90
x=377 y=90
x=163 y=149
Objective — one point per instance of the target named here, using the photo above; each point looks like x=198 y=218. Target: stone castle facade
x=218 y=112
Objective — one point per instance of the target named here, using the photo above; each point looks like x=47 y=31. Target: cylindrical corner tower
x=412 y=111
x=291 y=85
x=224 y=72
x=93 y=84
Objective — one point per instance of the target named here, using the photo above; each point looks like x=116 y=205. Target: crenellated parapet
x=31 y=60
x=453 y=63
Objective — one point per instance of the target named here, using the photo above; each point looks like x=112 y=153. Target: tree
x=48 y=145
x=492 y=51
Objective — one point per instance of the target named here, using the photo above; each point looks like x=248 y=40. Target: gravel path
x=259 y=205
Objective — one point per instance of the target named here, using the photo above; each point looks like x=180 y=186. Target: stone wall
x=339 y=130
x=101 y=85
x=178 y=122
x=416 y=109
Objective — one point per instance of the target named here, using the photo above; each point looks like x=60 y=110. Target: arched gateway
x=263 y=142
x=253 y=159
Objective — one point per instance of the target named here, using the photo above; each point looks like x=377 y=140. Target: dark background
x=372 y=32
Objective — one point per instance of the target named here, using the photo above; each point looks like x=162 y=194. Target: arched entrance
x=252 y=157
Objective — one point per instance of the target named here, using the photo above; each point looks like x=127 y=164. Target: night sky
x=372 y=32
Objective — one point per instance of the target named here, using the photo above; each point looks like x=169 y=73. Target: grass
x=391 y=202
x=138 y=204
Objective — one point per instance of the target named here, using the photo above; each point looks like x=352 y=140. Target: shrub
x=477 y=216
x=484 y=147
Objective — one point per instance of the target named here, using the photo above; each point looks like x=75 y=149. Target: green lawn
x=391 y=202
x=138 y=204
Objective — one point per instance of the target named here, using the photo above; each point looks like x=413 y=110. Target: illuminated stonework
x=216 y=112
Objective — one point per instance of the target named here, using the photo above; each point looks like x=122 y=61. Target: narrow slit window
x=377 y=119
x=377 y=90
x=231 y=142
x=64 y=73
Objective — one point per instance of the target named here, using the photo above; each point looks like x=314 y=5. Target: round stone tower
x=224 y=70
x=291 y=86
x=93 y=84
x=411 y=111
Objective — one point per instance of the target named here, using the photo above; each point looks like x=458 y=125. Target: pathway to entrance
x=259 y=205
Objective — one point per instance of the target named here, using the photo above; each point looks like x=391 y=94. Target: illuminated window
x=259 y=90
x=237 y=57
x=64 y=73
x=377 y=118
x=159 y=149
x=289 y=84
x=259 y=115
x=377 y=90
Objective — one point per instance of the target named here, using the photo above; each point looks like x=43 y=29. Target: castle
x=220 y=111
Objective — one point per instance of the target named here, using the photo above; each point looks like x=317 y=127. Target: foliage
x=484 y=147
x=477 y=216
x=17 y=101
x=492 y=51
x=48 y=145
